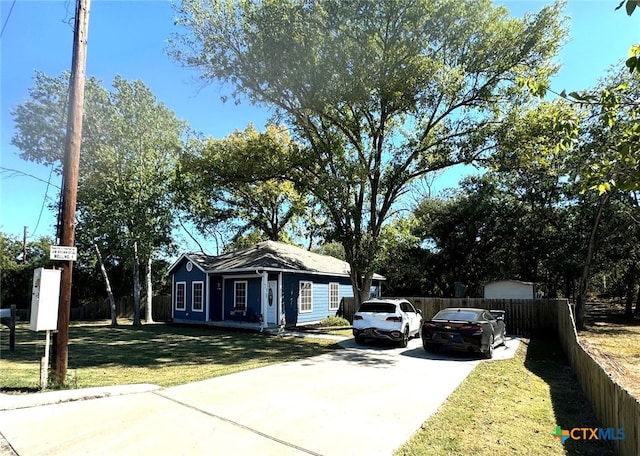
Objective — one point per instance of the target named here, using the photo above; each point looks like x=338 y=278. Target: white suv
x=389 y=319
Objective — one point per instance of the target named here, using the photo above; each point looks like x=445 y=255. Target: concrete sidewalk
x=360 y=400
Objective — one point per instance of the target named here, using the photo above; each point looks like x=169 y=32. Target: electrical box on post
x=45 y=296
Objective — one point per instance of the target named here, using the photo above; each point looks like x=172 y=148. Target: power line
x=17 y=172
x=44 y=201
x=7 y=19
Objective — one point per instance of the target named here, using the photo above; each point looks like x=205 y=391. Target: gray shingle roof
x=273 y=256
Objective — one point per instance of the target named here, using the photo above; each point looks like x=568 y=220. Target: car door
x=412 y=316
x=489 y=318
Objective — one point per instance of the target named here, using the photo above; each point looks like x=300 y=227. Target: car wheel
x=429 y=348
x=489 y=353
x=405 y=338
x=359 y=340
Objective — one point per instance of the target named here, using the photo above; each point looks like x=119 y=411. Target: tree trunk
x=632 y=280
x=637 y=311
x=136 y=286
x=112 y=300
x=149 y=303
x=361 y=286
x=584 y=280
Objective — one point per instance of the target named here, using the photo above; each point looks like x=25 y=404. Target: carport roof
x=270 y=255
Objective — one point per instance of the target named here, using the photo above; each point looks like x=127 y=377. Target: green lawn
x=512 y=407
x=504 y=407
x=100 y=355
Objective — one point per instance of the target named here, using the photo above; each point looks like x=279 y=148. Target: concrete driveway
x=360 y=400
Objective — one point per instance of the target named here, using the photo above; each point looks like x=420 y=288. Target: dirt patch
x=614 y=341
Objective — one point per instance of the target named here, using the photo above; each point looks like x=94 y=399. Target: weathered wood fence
x=524 y=317
x=100 y=310
x=612 y=404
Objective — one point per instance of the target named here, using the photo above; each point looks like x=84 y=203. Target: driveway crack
x=240 y=425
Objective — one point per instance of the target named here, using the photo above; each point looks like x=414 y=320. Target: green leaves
x=244 y=181
x=630 y=5
x=130 y=145
x=633 y=61
x=379 y=93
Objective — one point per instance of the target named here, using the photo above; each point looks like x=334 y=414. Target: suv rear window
x=379 y=307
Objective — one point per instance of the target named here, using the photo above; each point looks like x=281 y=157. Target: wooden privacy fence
x=100 y=310
x=612 y=404
x=524 y=317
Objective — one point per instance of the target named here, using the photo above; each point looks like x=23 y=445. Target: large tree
x=380 y=93
x=231 y=182
x=130 y=147
x=608 y=159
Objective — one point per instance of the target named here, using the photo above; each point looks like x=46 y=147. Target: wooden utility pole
x=70 y=182
x=24 y=246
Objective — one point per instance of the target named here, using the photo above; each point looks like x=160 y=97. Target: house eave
x=288 y=271
x=175 y=264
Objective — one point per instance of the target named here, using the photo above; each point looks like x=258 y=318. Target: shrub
x=332 y=320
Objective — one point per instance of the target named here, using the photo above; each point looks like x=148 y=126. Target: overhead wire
x=17 y=172
x=6 y=21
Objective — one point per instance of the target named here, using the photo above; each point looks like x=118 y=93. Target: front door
x=215 y=297
x=272 y=303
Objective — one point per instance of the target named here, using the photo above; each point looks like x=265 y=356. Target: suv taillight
x=357 y=317
x=396 y=319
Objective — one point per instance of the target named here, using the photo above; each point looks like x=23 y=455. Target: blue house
x=264 y=283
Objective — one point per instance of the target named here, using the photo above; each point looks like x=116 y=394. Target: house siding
x=509 y=289
x=253 y=298
x=320 y=296
x=219 y=287
x=182 y=275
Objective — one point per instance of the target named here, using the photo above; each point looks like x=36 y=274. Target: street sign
x=63 y=253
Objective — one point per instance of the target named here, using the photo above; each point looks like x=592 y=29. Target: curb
x=20 y=401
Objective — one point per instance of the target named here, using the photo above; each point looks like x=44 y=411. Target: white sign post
x=44 y=311
x=63 y=253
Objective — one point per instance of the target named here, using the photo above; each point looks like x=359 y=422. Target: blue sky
x=128 y=38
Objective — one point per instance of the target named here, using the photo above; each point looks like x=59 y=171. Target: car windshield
x=380 y=307
x=459 y=315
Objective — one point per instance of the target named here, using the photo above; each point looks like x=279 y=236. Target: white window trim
x=184 y=296
x=336 y=306
x=246 y=292
x=193 y=295
x=300 y=287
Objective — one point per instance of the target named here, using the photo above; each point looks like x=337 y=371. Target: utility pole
x=24 y=246
x=70 y=182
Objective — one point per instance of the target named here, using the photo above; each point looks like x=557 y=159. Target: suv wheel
x=405 y=337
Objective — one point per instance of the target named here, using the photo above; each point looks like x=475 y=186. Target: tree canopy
x=379 y=93
x=130 y=147
x=235 y=182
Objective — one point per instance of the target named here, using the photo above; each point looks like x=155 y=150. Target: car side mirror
x=419 y=311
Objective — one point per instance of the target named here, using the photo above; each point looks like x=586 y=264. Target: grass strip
x=511 y=407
